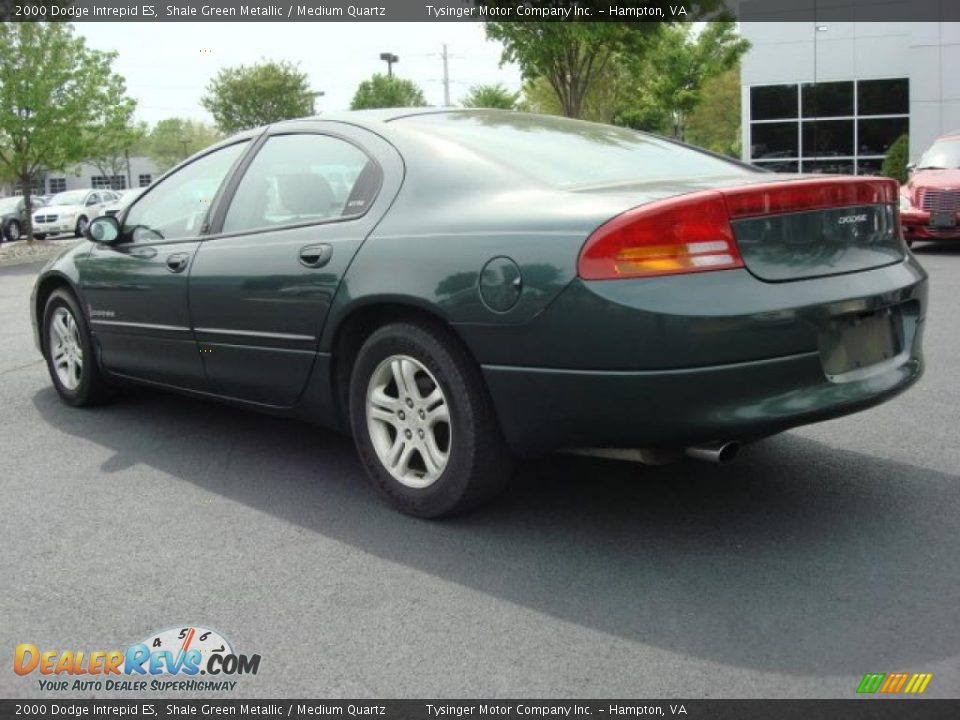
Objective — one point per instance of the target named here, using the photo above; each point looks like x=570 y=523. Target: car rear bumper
x=543 y=409
x=706 y=366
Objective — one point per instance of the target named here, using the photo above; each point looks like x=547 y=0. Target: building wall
x=926 y=54
x=143 y=171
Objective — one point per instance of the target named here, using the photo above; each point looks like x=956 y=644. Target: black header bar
x=164 y=709
x=630 y=11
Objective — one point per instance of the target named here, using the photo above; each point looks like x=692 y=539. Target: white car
x=71 y=212
x=125 y=198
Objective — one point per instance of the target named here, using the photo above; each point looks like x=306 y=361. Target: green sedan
x=461 y=288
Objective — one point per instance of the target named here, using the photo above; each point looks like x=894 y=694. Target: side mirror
x=104 y=229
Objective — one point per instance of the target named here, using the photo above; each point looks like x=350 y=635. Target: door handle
x=316 y=256
x=177 y=262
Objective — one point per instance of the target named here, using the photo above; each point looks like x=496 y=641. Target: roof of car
x=384 y=115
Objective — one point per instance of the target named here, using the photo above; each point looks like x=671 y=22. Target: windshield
x=571 y=153
x=9 y=204
x=71 y=197
x=942 y=154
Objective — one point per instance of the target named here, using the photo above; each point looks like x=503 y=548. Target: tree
x=55 y=93
x=244 y=97
x=715 y=123
x=109 y=148
x=491 y=96
x=384 y=91
x=571 y=57
x=895 y=163
x=174 y=139
x=677 y=67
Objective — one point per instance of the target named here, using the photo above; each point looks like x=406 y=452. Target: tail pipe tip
x=715 y=452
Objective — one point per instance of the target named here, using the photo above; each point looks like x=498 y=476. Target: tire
x=12 y=232
x=443 y=467
x=39 y=236
x=81 y=227
x=71 y=361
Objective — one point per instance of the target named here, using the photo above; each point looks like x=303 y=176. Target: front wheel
x=423 y=423
x=68 y=350
x=81 y=227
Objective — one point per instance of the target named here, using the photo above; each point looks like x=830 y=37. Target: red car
x=930 y=201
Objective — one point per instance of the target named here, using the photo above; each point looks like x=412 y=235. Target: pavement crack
x=20 y=367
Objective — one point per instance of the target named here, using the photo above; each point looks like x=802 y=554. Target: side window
x=302 y=179
x=176 y=208
x=92 y=199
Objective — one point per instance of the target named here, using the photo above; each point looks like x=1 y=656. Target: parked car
x=12 y=218
x=491 y=285
x=71 y=211
x=930 y=200
x=124 y=198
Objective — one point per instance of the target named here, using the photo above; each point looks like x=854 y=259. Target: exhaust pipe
x=715 y=452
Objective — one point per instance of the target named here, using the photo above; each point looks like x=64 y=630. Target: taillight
x=690 y=233
x=799 y=195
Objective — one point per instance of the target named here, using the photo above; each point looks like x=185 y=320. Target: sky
x=167 y=65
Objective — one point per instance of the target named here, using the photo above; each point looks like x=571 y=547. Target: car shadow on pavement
x=796 y=558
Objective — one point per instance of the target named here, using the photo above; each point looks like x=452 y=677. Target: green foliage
x=571 y=57
x=108 y=148
x=895 y=163
x=715 y=123
x=491 y=96
x=386 y=91
x=244 y=97
x=679 y=65
x=173 y=139
x=55 y=94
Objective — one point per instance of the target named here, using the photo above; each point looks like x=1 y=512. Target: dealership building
x=823 y=96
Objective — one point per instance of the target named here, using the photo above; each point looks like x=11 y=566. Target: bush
x=895 y=164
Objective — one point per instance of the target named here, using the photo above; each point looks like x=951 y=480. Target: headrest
x=305 y=194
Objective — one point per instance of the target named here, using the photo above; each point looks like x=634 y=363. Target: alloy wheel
x=66 y=350
x=408 y=418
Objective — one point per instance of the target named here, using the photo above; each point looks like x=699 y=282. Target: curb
x=24 y=253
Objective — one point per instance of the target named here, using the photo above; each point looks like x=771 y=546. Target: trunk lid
x=792 y=227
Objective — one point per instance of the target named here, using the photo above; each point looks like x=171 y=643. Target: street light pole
x=389 y=59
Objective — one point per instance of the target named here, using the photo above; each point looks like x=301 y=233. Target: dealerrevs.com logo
x=169 y=660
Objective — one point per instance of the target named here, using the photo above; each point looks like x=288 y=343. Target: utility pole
x=446 y=77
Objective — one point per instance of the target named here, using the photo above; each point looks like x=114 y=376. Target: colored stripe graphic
x=918 y=683
x=893 y=683
x=870 y=683
x=913 y=683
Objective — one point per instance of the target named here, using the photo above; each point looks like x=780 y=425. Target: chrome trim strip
x=146 y=326
x=253 y=333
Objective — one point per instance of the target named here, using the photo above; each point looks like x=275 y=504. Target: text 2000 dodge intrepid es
x=461 y=287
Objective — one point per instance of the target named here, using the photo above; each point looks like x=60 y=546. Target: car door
x=262 y=285
x=136 y=289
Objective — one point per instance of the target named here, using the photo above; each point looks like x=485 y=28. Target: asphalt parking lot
x=817 y=556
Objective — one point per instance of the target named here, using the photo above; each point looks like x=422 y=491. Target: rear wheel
x=68 y=349
x=423 y=422
x=12 y=231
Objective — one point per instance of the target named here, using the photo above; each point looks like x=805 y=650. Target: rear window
x=568 y=153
